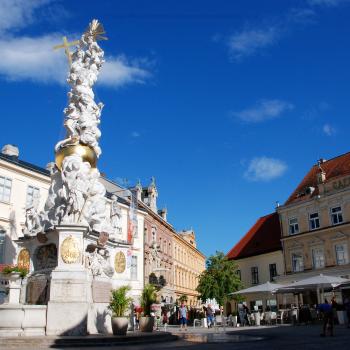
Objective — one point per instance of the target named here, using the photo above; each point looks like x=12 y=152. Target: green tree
x=183 y=298
x=219 y=279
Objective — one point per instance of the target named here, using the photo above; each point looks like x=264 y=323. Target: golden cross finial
x=66 y=46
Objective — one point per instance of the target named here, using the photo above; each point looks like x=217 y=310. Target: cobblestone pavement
x=277 y=337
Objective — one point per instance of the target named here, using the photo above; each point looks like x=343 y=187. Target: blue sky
x=226 y=103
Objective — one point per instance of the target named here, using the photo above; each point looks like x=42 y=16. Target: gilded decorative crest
x=23 y=260
x=70 y=252
x=119 y=262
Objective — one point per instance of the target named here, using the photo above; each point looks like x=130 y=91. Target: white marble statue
x=98 y=262
x=76 y=196
x=83 y=114
x=116 y=219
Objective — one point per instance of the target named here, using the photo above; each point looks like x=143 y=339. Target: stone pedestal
x=67 y=309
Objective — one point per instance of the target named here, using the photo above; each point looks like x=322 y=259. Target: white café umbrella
x=320 y=281
x=261 y=288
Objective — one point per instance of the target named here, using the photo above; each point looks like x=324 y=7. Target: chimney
x=10 y=150
x=163 y=213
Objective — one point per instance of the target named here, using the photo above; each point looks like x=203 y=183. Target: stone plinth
x=17 y=320
x=67 y=309
x=11 y=283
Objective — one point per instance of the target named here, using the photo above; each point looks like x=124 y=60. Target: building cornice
x=320 y=230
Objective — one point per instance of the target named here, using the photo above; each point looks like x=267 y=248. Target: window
x=154 y=234
x=317 y=258
x=5 y=189
x=273 y=271
x=255 y=275
x=337 y=215
x=238 y=272
x=297 y=262
x=293 y=226
x=32 y=194
x=314 y=221
x=133 y=274
x=2 y=245
x=341 y=253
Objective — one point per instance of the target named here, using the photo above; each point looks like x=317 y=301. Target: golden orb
x=85 y=152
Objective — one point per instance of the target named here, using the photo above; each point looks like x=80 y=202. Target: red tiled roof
x=334 y=168
x=263 y=237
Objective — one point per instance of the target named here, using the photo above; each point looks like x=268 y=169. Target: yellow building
x=315 y=223
x=189 y=263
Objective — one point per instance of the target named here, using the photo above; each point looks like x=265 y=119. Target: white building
x=22 y=182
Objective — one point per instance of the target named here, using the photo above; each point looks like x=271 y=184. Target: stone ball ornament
x=85 y=152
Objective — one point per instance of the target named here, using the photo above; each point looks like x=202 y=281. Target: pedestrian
x=182 y=316
x=165 y=319
x=328 y=320
x=246 y=314
x=347 y=309
x=137 y=318
x=210 y=316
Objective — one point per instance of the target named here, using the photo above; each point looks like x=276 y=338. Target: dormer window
x=314 y=221
x=293 y=226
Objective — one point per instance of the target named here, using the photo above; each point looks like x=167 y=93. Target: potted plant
x=148 y=297
x=12 y=276
x=14 y=271
x=119 y=304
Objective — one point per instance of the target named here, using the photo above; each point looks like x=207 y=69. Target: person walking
x=328 y=320
x=182 y=316
x=347 y=309
x=210 y=318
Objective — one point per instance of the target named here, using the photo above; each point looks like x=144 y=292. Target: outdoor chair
x=280 y=316
x=268 y=318
x=220 y=321
x=273 y=317
x=197 y=321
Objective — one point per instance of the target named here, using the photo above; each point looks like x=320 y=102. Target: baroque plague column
x=75 y=217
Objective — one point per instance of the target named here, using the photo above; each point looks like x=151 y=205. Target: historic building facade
x=259 y=258
x=154 y=243
x=21 y=183
x=158 y=238
x=172 y=259
x=315 y=222
x=189 y=263
x=24 y=185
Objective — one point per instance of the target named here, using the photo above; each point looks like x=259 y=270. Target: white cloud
x=248 y=42
x=252 y=40
x=328 y=130
x=16 y=14
x=135 y=134
x=263 y=110
x=33 y=58
x=119 y=71
x=265 y=169
x=326 y=2
x=25 y=58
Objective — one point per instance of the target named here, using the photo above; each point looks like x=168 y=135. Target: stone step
x=87 y=341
